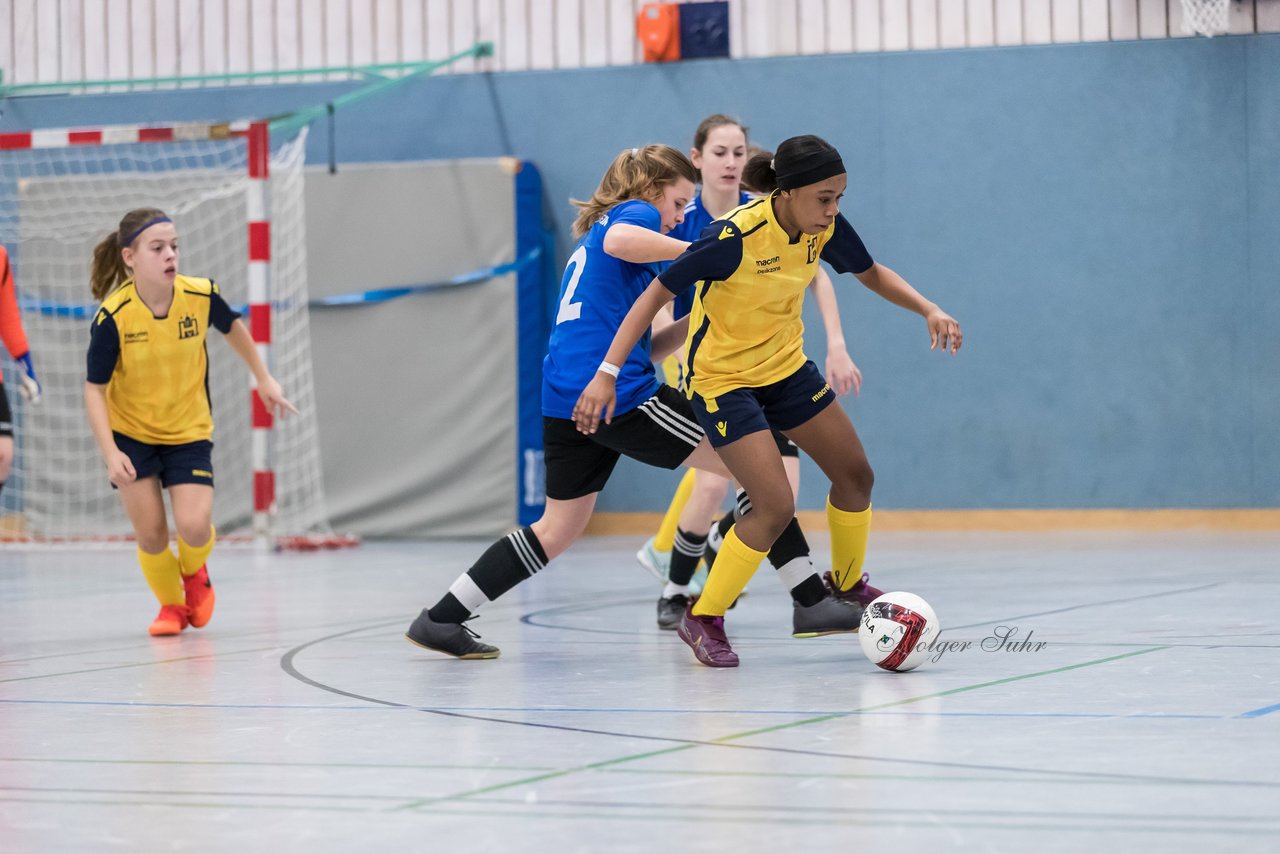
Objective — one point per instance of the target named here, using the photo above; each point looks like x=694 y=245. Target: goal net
x=60 y=193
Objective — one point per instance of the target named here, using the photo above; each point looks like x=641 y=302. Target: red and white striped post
x=259 y=155
x=264 y=476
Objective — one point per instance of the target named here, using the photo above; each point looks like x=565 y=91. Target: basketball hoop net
x=1206 y=17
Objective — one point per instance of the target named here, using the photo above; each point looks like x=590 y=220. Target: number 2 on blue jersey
x=570 y=310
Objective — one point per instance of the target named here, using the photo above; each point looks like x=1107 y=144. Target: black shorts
x=786 y=447
x=191 y=462
x=661 y=432
x=783 y=406
x=6 y=417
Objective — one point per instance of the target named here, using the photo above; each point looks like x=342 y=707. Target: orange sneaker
x=171 y=620
x=199 y=597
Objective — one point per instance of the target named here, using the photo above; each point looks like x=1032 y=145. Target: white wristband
x=610 y=369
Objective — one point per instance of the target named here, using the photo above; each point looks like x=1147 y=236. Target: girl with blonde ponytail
x=148 y=403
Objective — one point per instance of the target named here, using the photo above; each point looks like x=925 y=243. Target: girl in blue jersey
x=719 y=153
x=147 y=396
x=623 y=237
x=747 y=372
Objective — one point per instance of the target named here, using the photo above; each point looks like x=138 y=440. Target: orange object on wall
x=658 y=26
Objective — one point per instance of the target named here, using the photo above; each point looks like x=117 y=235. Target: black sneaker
x=671 y=610
x=829 y=616
x=454 y=639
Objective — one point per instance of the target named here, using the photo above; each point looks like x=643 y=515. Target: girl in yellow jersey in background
x=147 y=397
x=747 y=371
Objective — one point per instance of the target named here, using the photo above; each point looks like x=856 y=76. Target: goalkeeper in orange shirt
x=15 y=341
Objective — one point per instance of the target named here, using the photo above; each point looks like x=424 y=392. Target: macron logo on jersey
x=726 y=232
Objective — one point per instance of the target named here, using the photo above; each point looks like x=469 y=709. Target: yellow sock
x=191 y=557
x=163 y=576
x=734 y=566
x=665 y=539
x=849 y=531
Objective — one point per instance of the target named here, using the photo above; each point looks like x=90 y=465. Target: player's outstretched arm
x=268 y=389
x=640 y=245
x=841 y=372
x=944 y=331
x=600 y=396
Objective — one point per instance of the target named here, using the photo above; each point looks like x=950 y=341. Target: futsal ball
x=897 y=630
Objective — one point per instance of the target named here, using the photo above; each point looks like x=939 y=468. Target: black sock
x=790 y=556
x=685 y=554
x=504 y=564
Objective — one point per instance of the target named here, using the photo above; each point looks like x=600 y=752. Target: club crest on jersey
x=813 y=249
x=188 y=327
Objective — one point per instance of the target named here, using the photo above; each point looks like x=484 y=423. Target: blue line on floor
x=1257 y=713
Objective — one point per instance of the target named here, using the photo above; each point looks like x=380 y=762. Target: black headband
x=810 y=170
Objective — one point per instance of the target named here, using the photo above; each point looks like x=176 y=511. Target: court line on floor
x=532 y=618
x=829 y=818
x=365 y=707
x=680 y=744
x=173 y=798
x=213 y=654
x=1257 y=713
x=662 y=772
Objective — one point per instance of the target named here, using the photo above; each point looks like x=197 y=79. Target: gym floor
x=1143 y=713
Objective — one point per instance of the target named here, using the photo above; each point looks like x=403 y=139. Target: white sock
x=675 y=590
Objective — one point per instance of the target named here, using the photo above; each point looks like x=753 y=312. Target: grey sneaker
x=454 y=639
x=671 y=610
x=705 y=635
x=862 y=592
x=830 y=616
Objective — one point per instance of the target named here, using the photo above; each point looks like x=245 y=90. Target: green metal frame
x=380 y=77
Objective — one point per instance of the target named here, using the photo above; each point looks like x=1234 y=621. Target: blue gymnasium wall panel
x=1100 y=217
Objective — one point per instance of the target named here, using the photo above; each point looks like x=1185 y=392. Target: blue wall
x=1102 y=218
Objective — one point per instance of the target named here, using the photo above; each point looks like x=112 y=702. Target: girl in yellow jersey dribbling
x=747 y=371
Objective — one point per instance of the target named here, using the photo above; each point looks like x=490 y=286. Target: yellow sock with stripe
x=734 y=566
x=193 y=557
x=849 y=531
x=664 y=540
x=163 y=576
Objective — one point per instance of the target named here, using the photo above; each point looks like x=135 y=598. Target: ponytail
x=758 y=176
x=108 y=269
x=636 y=173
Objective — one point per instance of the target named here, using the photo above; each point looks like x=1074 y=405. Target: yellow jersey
x=745 y=329
x=156 y=369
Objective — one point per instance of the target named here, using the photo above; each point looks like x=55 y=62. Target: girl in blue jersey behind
x=719 y=153
x=747 y=371
x=147 y=395
x=623 y=237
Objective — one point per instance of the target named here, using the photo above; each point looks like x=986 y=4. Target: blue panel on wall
x=704 y=30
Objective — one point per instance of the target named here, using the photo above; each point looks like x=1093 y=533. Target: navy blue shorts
x=191 y=462
x=783 y=405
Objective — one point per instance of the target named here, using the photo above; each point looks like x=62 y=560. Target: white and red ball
x=897 y=631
